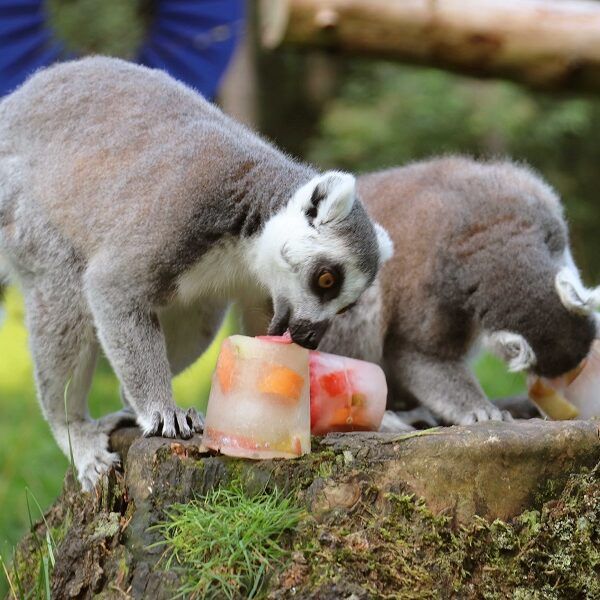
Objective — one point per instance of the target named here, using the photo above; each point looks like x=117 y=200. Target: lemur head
x=526 y=289
x=318 y=255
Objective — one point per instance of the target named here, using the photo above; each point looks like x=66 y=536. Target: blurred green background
x=348 y=113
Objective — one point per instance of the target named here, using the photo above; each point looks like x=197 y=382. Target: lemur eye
x=326 y=280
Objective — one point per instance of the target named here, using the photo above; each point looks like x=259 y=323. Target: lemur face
x=542 y=317
x=318 y=256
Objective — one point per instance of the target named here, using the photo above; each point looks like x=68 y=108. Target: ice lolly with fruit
x=259 y=404
x=345 y=394
x=574 y=395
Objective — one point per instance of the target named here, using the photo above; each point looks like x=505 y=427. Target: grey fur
x=132 y=212
x=478 y=249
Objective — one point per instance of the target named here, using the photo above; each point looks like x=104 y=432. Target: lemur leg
x=64 y=350
x=130 y=333
x=448 y=388
x=188 y=332
x=408 y=420
x=393 y=422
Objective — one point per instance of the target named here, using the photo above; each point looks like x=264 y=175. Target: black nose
x=308 y=334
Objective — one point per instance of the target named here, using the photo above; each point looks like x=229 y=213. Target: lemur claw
x=483 y=414
x=175 y=423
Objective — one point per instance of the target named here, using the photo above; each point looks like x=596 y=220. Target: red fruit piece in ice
x=335 y=384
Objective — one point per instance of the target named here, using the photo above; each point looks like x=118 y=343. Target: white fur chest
x=221 y=273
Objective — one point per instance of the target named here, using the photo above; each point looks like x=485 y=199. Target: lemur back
x=150 y=133
x=479 y=247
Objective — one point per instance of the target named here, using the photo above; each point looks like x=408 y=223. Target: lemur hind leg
x=64 y=350
x=447 y=388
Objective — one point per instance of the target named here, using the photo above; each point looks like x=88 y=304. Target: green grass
x=226 y=543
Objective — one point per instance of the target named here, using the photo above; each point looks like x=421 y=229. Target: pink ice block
x=259 y=405
x=345 y=394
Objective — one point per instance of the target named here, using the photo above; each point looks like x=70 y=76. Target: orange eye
x=326 y=280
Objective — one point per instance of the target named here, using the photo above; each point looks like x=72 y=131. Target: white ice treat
x=259 y=405
x=574 y=395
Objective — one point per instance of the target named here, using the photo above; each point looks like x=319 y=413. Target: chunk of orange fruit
x=226 y=367
x=282 y=382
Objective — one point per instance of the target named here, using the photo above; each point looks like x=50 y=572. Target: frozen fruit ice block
x=259 y=404
x=345 y=394
x=574 y=395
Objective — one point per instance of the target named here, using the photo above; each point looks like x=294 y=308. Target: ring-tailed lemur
x=131 y=212
x=481 y=250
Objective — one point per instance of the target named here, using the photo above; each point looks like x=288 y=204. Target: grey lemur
x=482 y=251
x=132 y=212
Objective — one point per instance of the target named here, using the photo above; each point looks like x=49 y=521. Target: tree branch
x=542 y=43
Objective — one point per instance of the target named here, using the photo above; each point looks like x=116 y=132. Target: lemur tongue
x=281 y=318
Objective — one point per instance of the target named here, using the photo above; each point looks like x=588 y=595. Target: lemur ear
x=573 y=294
x=386 y=246
x=331 y=199
x=512 y=348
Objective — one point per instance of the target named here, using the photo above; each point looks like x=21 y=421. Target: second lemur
x=482 y=253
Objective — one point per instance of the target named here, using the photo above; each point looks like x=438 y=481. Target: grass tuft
x=226 y=543
x=11 y=586
x=43 y=561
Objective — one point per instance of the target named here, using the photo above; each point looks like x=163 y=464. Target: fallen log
x=542 y=43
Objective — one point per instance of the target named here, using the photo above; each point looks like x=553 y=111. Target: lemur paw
x=88 y=442
x=175 y=422
x=392 y=422
x=484 y=413
x=93 y=465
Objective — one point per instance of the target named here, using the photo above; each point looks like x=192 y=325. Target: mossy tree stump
x=454 y=512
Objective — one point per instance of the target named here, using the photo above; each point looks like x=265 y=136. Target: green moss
x=549 y=490
x=59 y=531
x=552 y=553
x=106 y=526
